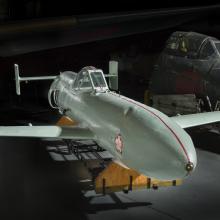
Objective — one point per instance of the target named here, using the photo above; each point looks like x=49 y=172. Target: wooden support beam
x=118 y=178
x=66 y=121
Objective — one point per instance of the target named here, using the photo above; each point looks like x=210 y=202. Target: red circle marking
x=119 y=143
x=172 y=131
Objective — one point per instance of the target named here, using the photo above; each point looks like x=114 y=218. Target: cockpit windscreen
x=218 y=46
x=98 y=80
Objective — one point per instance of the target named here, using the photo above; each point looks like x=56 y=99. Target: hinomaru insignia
x=119 y=143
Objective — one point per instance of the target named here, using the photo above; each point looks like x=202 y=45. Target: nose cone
x=192 y=158
x=160 y=150
x=178 y=156
x=189 y=167
x=170 y=162
x=169 y=167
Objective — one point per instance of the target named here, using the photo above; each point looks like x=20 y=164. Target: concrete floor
x=197 y=198
x=32 y=186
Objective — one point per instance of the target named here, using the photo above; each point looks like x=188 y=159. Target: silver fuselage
x=153 y=143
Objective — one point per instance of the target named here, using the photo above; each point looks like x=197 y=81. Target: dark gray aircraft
x=189 y=64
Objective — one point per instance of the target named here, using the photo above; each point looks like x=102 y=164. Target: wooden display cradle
x=117 y=178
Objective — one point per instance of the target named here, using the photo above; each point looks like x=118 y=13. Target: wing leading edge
x=62 y=132
x=186 y=121
x=81 y=133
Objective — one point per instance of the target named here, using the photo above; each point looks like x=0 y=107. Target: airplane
x=189 y=64
x=138 y=136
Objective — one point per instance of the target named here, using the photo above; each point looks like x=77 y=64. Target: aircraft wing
x=62 y=132
x=186 y=121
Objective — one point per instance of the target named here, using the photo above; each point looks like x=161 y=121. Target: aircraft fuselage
x=139 y=136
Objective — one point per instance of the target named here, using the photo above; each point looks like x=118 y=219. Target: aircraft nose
x=163 y=150
x=189 y=167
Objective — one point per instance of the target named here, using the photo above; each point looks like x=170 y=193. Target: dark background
x=90 y=34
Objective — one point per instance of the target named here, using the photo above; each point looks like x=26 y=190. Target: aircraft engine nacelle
x=64 y=81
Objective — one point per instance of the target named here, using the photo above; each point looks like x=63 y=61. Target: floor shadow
x=32 y=186
x=205 y=139
x=118 y=204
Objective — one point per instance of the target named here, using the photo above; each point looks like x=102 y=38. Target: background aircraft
x=189 y=64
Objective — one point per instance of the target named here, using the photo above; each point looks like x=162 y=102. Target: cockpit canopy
x=90 y=78
x=190 y=44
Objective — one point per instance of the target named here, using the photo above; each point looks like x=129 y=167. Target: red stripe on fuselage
x=172 y=131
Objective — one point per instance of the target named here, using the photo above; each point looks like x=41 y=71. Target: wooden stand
x=65 y=121
x=117 y=178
